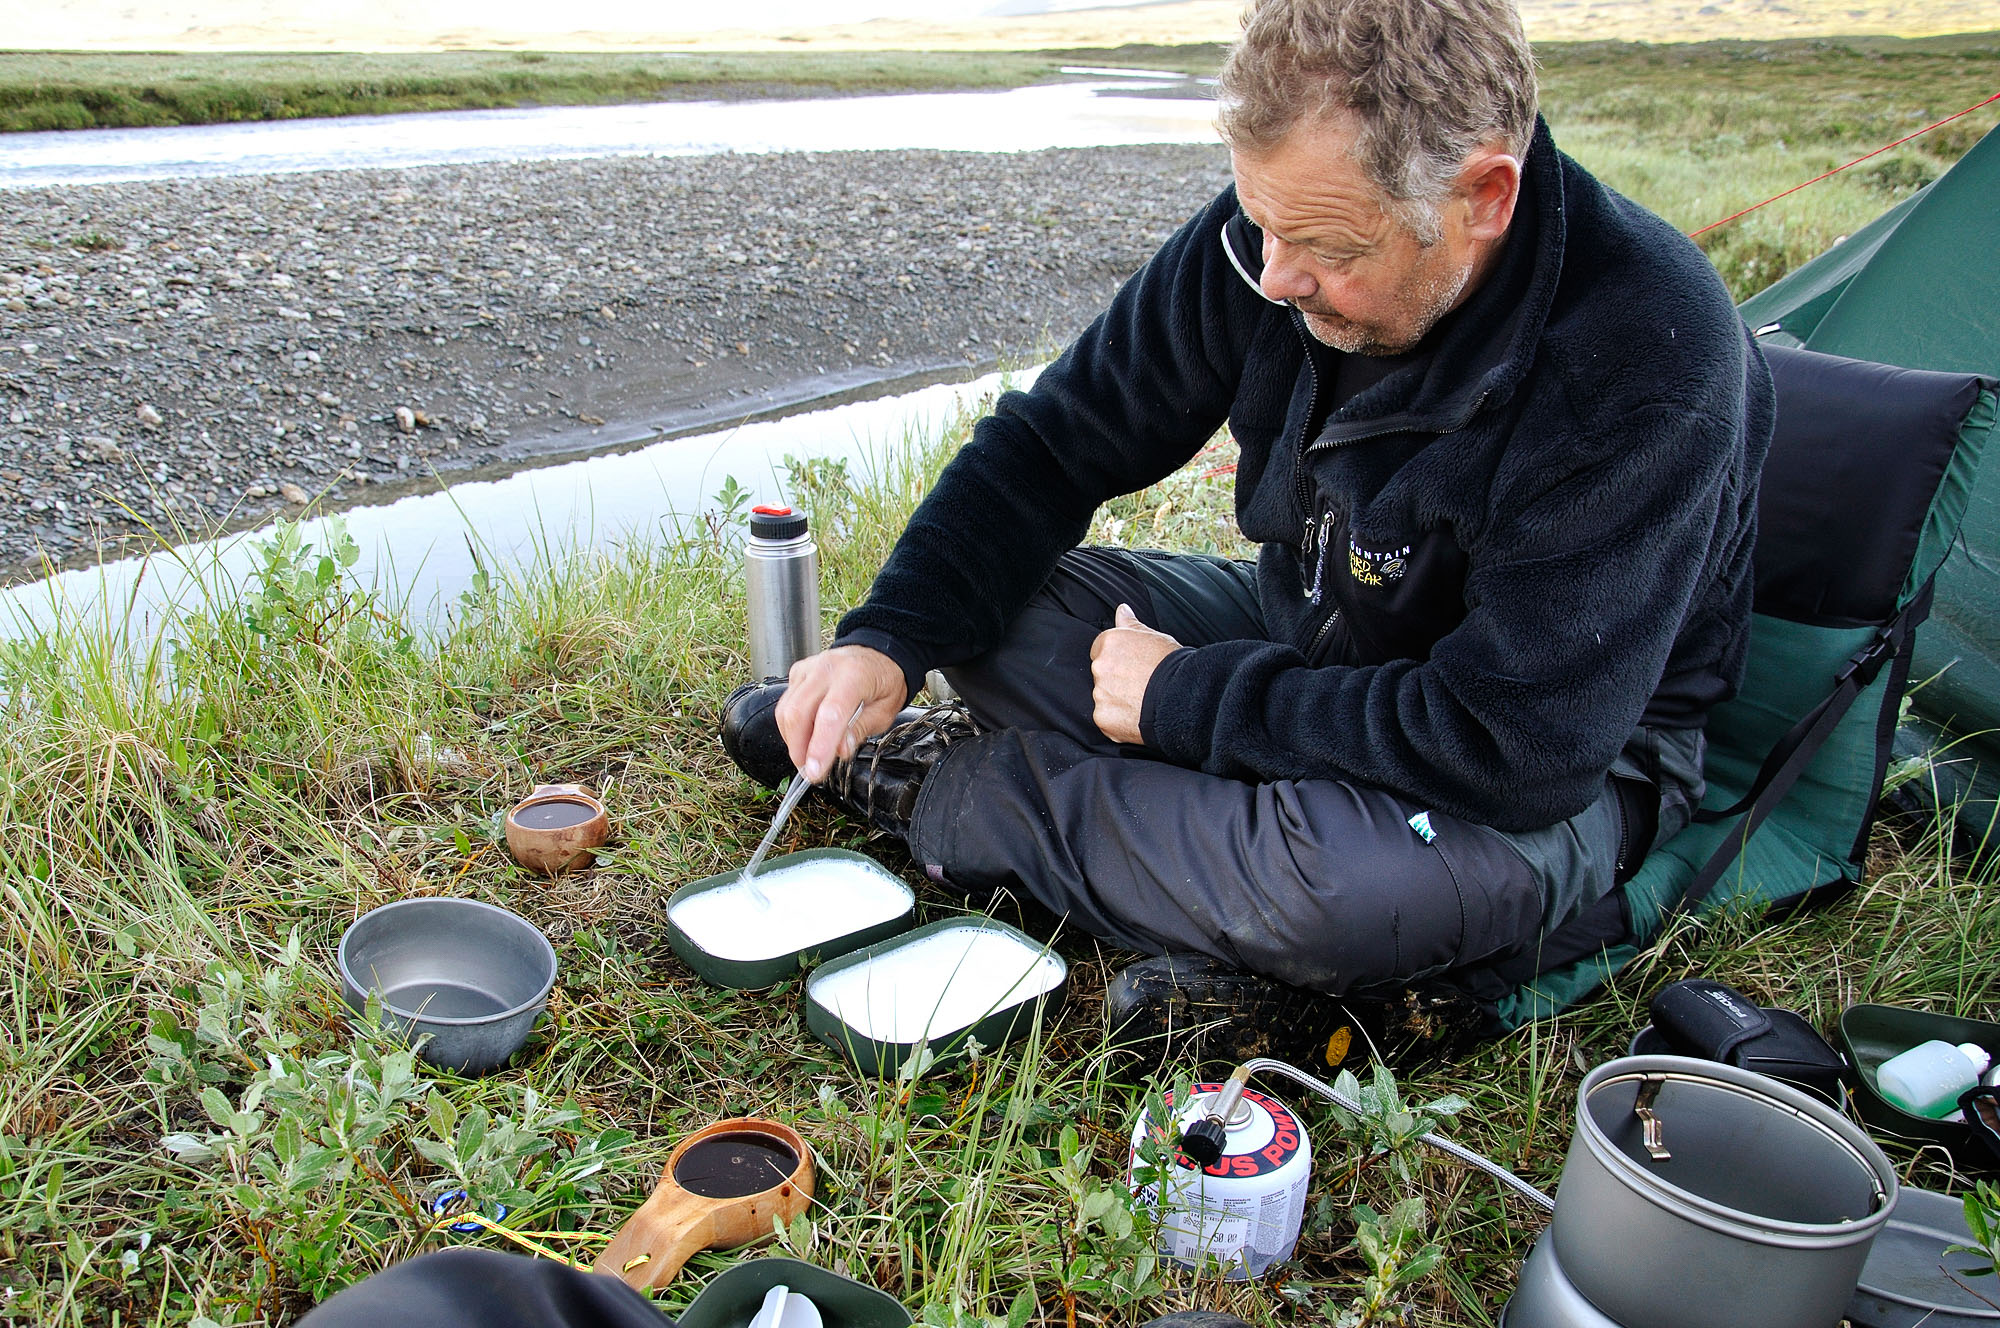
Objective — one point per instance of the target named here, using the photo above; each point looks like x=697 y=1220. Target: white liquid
x=811 y=903
x=934 y=987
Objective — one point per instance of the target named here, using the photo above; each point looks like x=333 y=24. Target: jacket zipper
x=1308 y=445
x=1319 y=637
x=1342 y=440
x=1305 y=429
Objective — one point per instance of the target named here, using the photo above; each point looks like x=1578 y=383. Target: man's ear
x=1489 y=185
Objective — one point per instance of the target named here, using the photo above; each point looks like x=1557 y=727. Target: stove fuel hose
x=1257 y=1064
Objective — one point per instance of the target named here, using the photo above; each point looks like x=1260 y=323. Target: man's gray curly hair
x=1427 y=82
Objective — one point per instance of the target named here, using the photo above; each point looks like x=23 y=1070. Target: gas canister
x=1244 y=1210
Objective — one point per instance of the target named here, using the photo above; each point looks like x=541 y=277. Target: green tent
x=1920 y=287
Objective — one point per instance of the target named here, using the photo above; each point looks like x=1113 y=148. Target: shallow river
x=1098 y=113
x=419 y=550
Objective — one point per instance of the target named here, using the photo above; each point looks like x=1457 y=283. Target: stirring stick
x=796 y=791
x=793 y=794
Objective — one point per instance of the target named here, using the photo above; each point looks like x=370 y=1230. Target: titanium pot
x=1699 y=1195
x=471 y=976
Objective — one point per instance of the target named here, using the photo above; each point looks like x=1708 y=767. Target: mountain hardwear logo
x=1377 y=568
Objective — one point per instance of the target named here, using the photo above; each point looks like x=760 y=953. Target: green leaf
x=1096 y=1205
x=288 y=1140
x=437 y=1154
x=315 y=1163
x=218 y=1108
x=443 y=1114
x=472 y=1133
x=1419 y=1265
x=1978 y=1218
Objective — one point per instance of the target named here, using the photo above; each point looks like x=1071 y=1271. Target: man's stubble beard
x=1434 y=298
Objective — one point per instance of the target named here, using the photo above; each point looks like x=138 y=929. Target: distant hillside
x=388 y=25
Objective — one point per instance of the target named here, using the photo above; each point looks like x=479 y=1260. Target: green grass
x=1847 y=87
x=189 y=1130
x=1695 y=131
x=1698 y=132
x=54 y=90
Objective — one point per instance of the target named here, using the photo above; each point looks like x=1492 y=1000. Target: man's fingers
x=875 y=718
x=1124 y=617
x=829 y=733
x=795 y=714
x=833 y=700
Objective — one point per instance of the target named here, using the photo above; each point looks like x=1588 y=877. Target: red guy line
x=1838 y=169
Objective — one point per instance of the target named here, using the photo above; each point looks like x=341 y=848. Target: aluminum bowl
x=472 y=977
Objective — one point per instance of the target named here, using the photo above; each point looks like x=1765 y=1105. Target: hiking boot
x=1193 y=1008
x=881 y=782
x=750 y=733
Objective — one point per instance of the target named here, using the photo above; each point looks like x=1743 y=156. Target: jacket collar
x=1483 y=348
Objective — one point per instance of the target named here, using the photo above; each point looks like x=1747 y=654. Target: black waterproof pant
x=468 y=1288
x=1318 y=883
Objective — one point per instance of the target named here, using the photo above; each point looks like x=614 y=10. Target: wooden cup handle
x=666 y=1231
x=673 y=1224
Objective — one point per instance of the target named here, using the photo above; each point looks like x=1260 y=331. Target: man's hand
x=822 y=693
x=1122 y=661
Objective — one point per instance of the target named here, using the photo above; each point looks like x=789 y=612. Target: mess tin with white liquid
x=814 y=904
x=939 y=988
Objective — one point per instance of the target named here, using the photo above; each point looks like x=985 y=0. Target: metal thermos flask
x=781 y=580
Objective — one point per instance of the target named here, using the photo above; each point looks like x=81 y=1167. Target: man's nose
x=1285 y=276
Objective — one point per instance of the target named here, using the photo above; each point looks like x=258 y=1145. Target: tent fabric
x=1917 y=287
x=1862 y=493
x=1920 y=287
x=1789 y=310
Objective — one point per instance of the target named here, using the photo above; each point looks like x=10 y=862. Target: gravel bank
x=190 y=353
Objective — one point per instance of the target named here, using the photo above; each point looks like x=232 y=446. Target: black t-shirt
x=1355 y=374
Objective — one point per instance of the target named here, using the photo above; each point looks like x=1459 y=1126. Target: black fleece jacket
x=1479 y=576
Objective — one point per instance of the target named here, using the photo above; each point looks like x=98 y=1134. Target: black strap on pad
x=1702 y=1017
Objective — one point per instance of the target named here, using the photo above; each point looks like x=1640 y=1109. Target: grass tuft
x=189 y=1127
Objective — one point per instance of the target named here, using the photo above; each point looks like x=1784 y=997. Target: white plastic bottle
x=1927 y=1079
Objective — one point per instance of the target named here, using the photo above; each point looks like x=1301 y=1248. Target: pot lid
x=1909 y=1280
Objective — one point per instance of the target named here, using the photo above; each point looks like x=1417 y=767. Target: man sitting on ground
x=1500 y=431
